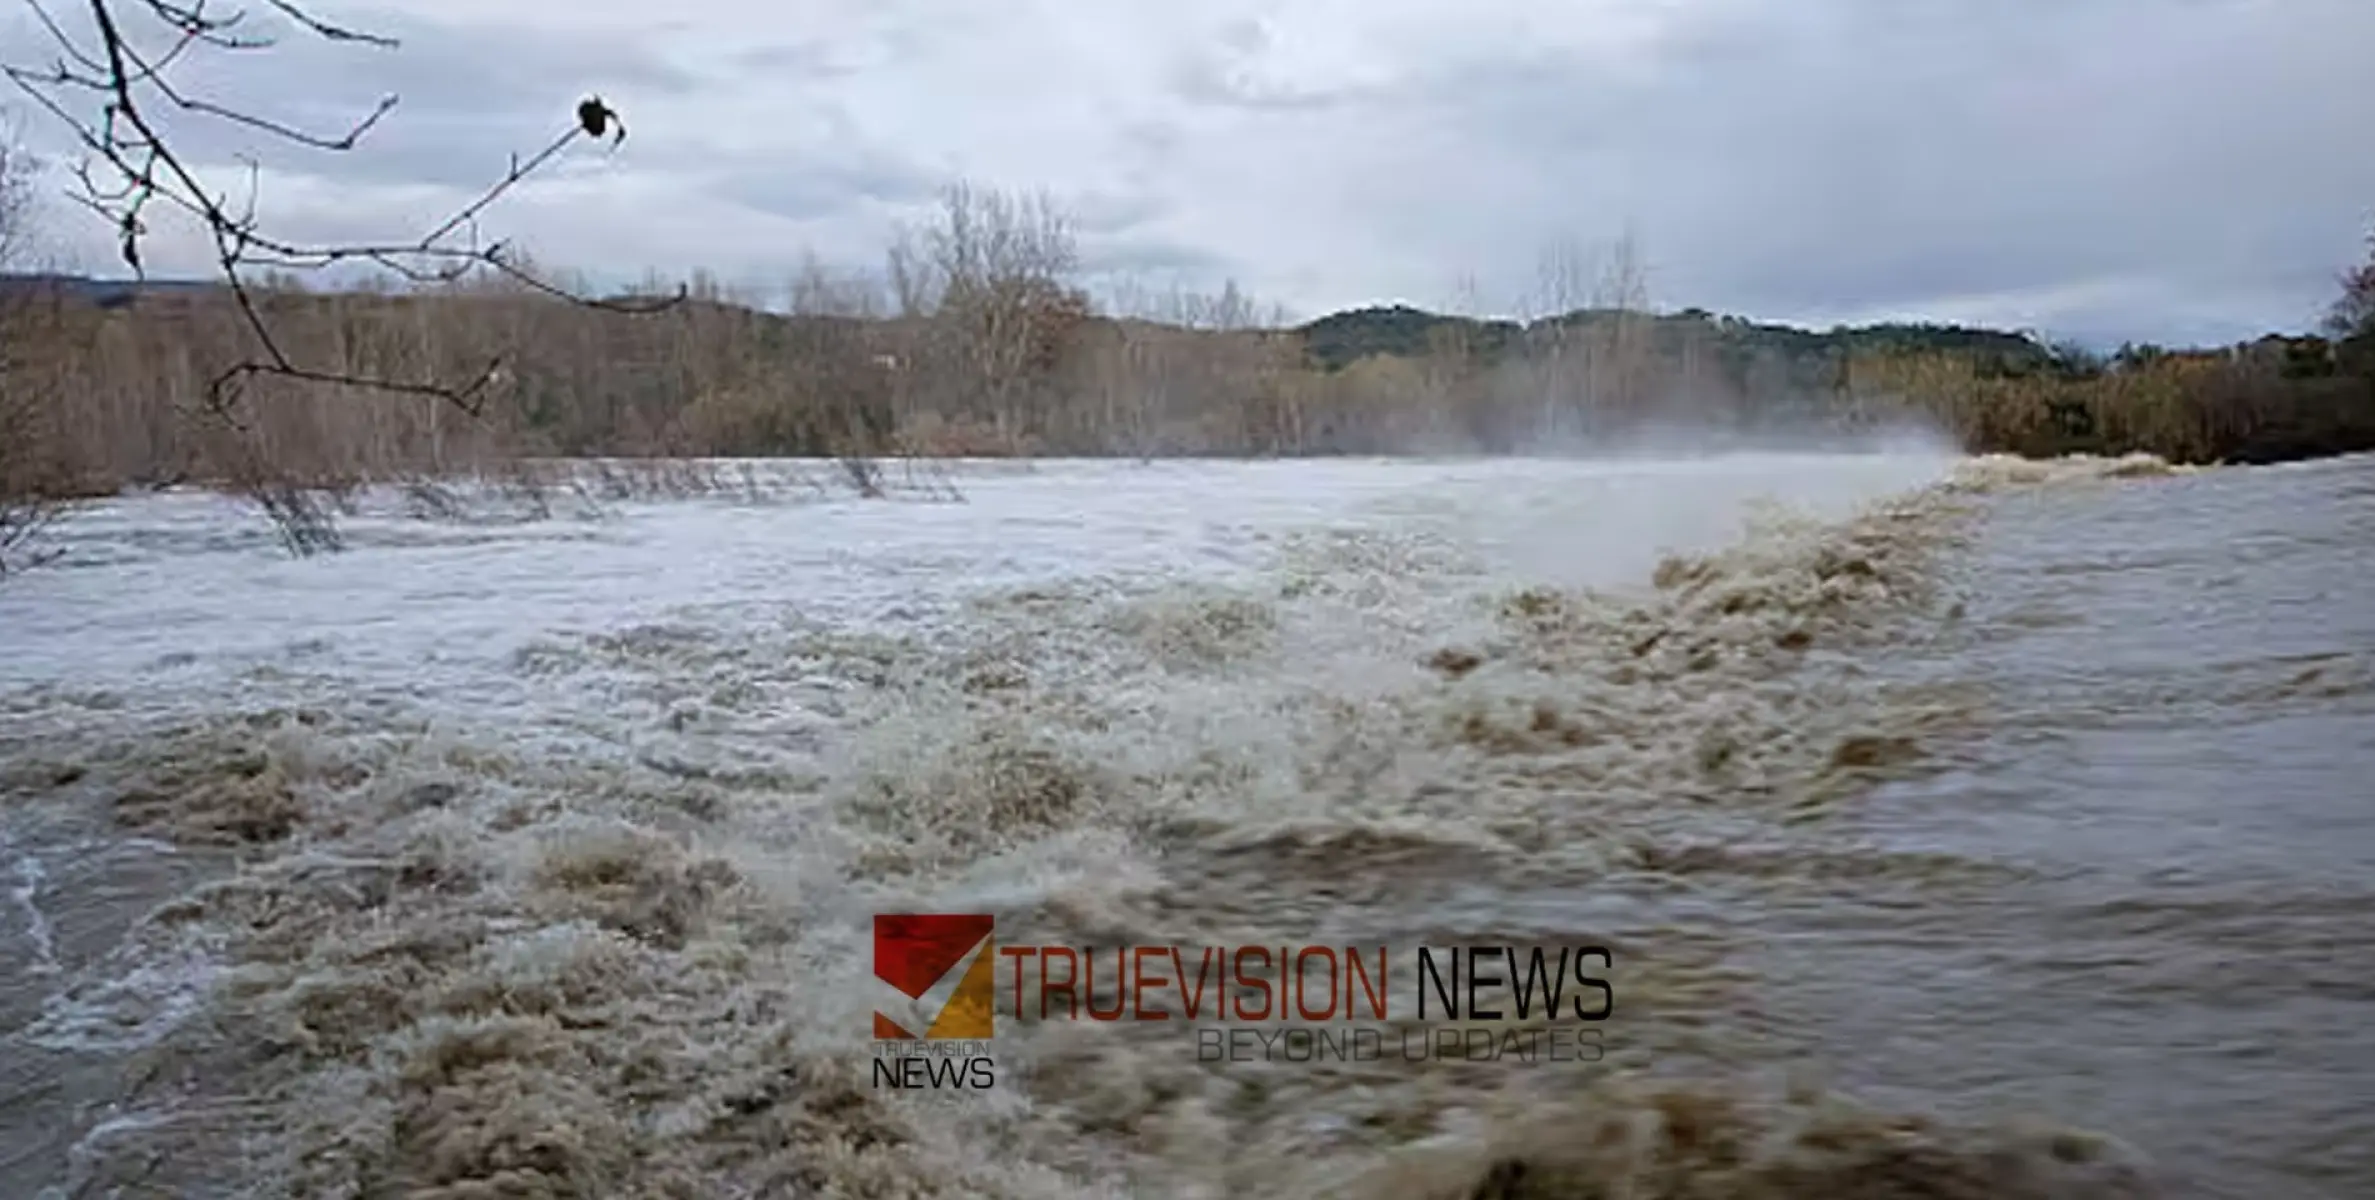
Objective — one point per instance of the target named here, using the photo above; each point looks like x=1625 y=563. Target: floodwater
x=2174 y=755
x=1960 y=828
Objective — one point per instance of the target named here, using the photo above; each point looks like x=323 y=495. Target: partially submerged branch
x=23 y=519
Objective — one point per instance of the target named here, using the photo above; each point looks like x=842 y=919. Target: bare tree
x=28 y=495
x=2353 y=312
x=17 y=166
x=1621 y=359
x=1196 y=368
x=1560 y=354
x=1131 y=385
x=860 y=386
x=113 y=71
x=1589 y=338
x=990 y=281
x=1452 y=365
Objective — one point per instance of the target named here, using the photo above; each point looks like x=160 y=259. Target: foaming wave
x=457 y=969
x=1644 y=1140
x=1994 y=472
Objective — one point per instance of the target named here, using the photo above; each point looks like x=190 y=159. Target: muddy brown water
x=2176 y=756
x=2124 y=886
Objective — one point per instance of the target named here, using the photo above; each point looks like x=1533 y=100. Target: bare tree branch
x=104 y=89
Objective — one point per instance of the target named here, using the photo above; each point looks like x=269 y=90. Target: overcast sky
x=2171 y=170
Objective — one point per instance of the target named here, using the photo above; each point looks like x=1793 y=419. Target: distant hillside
x=120 y=360
x=104 y=293
x=1340 y=339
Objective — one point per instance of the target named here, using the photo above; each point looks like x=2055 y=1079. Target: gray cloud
x=814 y=58
x=1145 y=257
x=810 y=186
x=1830 y=159
x=2167 y=169
x=1113 y=212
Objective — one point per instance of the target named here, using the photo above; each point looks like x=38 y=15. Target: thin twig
x=101 y=88
x=129 y=165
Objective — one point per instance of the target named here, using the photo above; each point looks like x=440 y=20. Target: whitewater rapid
x=537 y=857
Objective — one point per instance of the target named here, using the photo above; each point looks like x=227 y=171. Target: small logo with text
x=933 y=1020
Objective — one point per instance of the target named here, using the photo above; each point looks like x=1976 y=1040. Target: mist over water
x=1903 y=432
x=538 y=858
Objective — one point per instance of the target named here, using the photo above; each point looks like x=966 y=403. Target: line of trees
x=977 y=338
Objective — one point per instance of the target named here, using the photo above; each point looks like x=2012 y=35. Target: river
x=1961 y=828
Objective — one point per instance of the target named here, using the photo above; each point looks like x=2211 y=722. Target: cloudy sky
x=2171 y=170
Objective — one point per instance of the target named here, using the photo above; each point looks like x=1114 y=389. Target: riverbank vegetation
x=978 y=338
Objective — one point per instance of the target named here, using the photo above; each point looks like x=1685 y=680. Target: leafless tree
x=1622 y=358
x=830 y=312
x=17 y=166
x=2353 y=312
x=28 y=499
x=1588 y=337
x=990 y=284
x=113 y=71
x=1559 y=359
x=1453 y=369
x=1180 y=364
x=1127 y=381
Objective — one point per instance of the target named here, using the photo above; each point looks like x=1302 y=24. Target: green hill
x=1340 y=339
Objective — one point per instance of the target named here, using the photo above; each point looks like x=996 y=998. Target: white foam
x=24 y=892
x=1235 y=648
x=128 y=1001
